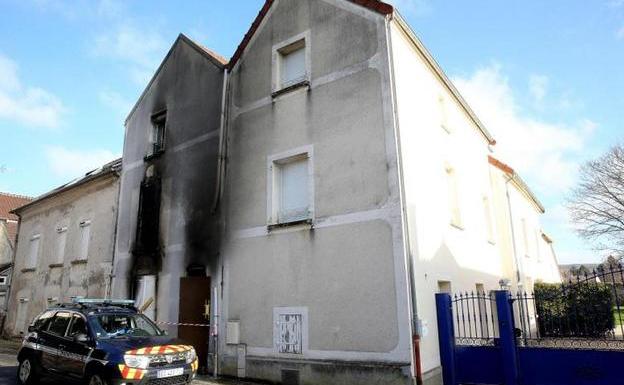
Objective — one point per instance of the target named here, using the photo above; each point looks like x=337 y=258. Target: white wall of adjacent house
x=536 y=257
x=447 y=190
x=528 y=257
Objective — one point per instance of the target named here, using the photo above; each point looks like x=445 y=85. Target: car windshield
x=124 y=325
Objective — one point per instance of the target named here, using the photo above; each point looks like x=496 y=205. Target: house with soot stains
x=64 y=246
x=307 y=198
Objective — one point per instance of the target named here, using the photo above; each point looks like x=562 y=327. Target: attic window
x=291 y=64
x=157 y=139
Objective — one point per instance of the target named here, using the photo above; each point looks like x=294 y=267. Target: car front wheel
x=27 y=372
x=96 y=379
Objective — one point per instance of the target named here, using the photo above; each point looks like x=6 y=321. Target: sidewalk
x=208 y=380
x=9 y=346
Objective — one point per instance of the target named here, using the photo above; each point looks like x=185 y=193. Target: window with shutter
x=61 y=241
x=290 y=188
x=85 y=238
x=33 y=253
x=453 y=194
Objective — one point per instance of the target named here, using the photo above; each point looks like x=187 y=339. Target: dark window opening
x=159 y=125
x=147 y=243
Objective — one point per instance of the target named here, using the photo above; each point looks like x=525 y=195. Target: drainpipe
x=513 y=232
x=222 y=142
x=413 y=311
x=111 y=275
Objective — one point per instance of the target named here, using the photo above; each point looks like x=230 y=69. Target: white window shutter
x=293 y=68
x=60 y=245
x=85 y=235
x=34 y=252
x=294 y=196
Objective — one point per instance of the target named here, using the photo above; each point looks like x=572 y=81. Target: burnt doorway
x=194 y=309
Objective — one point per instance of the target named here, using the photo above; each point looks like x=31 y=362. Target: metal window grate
x=290 y=334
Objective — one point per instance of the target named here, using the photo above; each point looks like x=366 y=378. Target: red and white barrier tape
x=183 y=324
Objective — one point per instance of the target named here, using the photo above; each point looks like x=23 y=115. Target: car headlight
x=191 y=355
x=138 y=362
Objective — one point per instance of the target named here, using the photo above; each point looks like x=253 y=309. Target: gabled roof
x=517 y=180
x=108 y=168
x=374 y=5
x=8 y=202
x=215 y=58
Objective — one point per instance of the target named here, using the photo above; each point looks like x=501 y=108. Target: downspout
x=413 y=303
x=513 y=232
x=219 y=188
x=222 y=141
x=109 y=288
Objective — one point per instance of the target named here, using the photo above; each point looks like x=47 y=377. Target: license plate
x=170 y=372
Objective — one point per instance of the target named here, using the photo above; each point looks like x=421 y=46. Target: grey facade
x=64 y=246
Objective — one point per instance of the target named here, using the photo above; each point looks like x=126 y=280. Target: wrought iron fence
x=475 y=320
x=585 y=312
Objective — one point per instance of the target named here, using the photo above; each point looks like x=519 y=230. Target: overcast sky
x=546 y=77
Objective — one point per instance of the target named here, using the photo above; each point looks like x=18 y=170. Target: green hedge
x=584 y=310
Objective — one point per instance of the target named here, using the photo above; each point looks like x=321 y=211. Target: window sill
x=277 y=226
x=28 y=269
x=290 y=88
x=457 y=226
x=54 y=265
x=79 y=262
x=153 y=156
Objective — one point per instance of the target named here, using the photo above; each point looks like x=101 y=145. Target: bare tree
x=597 y=203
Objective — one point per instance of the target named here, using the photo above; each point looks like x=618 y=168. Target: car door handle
x=61 y=347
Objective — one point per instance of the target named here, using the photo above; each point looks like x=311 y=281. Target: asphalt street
x=8 y=371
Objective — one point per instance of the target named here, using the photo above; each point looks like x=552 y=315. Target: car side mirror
x=83 y=338
x=31 y=329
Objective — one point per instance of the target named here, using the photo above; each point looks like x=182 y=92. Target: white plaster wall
x=464 y=256
x=348 y=271
x=538 y=262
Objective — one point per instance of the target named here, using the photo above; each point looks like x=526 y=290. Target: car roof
x=90 y=309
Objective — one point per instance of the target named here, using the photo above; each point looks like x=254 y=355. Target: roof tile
x=9 y=202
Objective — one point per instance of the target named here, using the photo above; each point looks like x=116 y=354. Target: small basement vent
x=290 y=377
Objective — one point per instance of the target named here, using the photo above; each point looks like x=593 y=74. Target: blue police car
x=103 y=342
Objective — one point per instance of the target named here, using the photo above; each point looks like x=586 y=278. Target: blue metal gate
x=525 y=339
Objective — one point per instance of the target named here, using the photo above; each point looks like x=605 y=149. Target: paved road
x=8 y=370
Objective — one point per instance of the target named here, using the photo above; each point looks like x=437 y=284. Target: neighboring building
x=527 y=251
x=5 y=281
x=65 y=245
x=316 y=191
x=9 y=223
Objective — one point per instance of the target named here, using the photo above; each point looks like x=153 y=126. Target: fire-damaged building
x=306 y=198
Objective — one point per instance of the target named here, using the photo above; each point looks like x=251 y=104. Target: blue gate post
x=507 y=337
x=446 y=337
